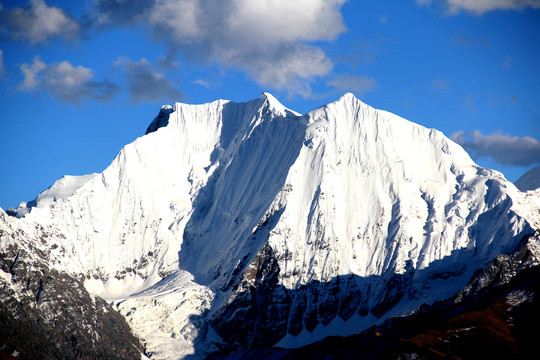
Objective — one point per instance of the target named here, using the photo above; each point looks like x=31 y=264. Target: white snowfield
x=343 y=189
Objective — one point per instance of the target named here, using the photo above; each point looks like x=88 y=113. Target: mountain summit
x=232 y=226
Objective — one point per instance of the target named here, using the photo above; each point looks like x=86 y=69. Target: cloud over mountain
x=504 y=149
x=271 y=40
x=145 y=82
x=350 y=82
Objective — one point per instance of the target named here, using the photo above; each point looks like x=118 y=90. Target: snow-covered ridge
x=221 y=197
x=123 y=228
x=60 y=190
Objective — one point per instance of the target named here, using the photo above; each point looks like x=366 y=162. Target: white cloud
x=146 y=83
x=504 y=149
x=271 y=40
x=38 y=23
x=289 y=66
x=353 y=83
x=479 y=7
x=65 y=82
x=31 y=73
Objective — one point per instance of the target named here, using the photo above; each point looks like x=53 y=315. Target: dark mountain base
x=495 y=317
x=45 y=314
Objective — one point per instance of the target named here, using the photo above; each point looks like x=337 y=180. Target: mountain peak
x=267 y=96
x=348 y=96
x=277 y=106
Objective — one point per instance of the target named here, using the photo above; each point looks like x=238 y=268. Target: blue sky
x=81 y=79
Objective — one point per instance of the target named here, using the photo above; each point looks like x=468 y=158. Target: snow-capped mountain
x=230 y=226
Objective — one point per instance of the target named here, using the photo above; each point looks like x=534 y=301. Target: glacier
x=229 y=226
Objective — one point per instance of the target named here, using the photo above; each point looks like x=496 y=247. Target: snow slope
x=530 y=180
x=219 y=199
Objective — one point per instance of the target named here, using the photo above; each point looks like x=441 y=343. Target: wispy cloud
x=145 y=83
x=479 y=7
x=37 y=23
x=504 y=149
x=271 y=40
x=110 y=13
x=354 y=83
x=204 y=83
x=465 y=40
x=439 y=85
x=2 y=68
x=469 y=103
x=65 y=82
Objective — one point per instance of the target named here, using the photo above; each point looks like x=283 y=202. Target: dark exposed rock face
x=161 y=120
x=259 y=312
x=263 y=311
x=494 y=317
x=45 y=314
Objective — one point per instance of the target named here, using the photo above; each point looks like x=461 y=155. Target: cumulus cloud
x=38 y=22
x=146 y=83
x=504 y=149
x=271 y=40
x=479 y=7
x=353 y=83
x=288 y=66
x=65 y=82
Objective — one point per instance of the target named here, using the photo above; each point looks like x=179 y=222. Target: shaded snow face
x=222 y=198
x=530 y=180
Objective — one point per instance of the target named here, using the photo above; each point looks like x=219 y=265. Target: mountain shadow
x=495 y=320
x=260 y=311
x=253 y=160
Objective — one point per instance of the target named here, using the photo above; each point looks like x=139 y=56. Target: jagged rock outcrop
x=494 y=317
x=47 y=314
